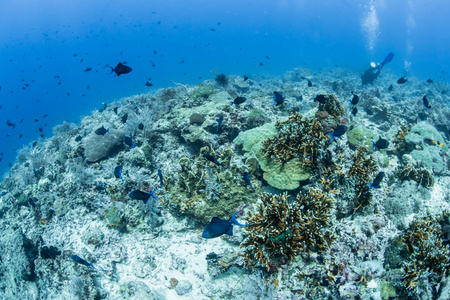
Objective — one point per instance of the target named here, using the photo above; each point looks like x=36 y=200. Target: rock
x=430 y=159
x=197 y=119
x=97 y=146
x=241 y=84
x=183 y=287
x=139 y=290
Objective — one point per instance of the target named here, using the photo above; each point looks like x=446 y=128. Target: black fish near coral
x=219 y=123
x=121 y=69
x=101 y=131
x=124 y=118
x=354 y=100
x=390 y=88
x=238 y=100
x=118 y=172
x=425 y=102
x=217 y=227
x=402 y=80
x=212 y=159
x=309 y=83
x=141 y=126
x=376 y=182
x=321 y=99
x=380 y=144
x=129 y=141
x=354 y=111
x=338 y=132
x=79 y=260
x=144 y=196
x=246 y=178
x=429 y=80
x=161 y=179
x=277 y=99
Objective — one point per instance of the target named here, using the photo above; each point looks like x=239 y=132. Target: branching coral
x=427 y=244
x=296 y=138
x=362 y=171
x=282 y=230
x=399 y=140
x=421 y=176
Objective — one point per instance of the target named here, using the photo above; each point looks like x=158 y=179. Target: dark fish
x=309 y=83
x=148 y=84
x=238 y=100
x=425 y=102
x=354 y=111
x=267 y=57
x=79 y=260
x=402 y=80
x=124 y=118
x=78 y=138
x=212 y=159
x=429 y=80
x=376 y=182
x=129 y=141
x=338 y=132
x=121 y=69
x=88 y=69
x=36 y=120
x=40 y=129
x=246 y=178
x=21 y=120
x=161 y=179
x=8 y=122
x=245 y=77
x=219 y=122
x=182 y=62
x=115 y=109
x=45 y=116
x=118 y=172
x=101 y=131
x=212 y=29
x=321 y=99
x=261 y=64
x=354 y=100
x=32 y=203
x=217 y=227
x=380 y=144
x=144 y=196
x=390 y=88
x=20 y=136
x=141 y=126
x=277 y=99
x=41 y=135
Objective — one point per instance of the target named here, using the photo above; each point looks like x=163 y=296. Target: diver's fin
x=388 y=59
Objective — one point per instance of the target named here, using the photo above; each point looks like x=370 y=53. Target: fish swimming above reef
x=277 y=99
x=217 y=227
x=129 y=141
x=376 y=182
x=321 y=99
x=124 y=118
x=354 y=100
x=9 y=123
x=148 y=84
x=79 y=260
x=238 y=100
x=161 y=179
x=354 y=111
x=141 y=126
x=425 y=102
x=212 y=159
x=390 y=88
x=144 y=196
x=32 y=203
x=121 y=69
x=118 y=172
x=380 y=144
x=429 y=80
x=402 y=80
x=102 y=131
x=88 y=69
x=338 y=132
x=309 y=83
x=245 y=77
x=219 y=123
x=246 y=178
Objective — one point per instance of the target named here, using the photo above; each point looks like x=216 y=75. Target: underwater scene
x=224 y=149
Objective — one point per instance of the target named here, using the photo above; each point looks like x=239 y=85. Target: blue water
x=43 y=39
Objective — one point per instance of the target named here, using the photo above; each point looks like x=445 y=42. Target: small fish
x=390 y=88
x=261 y=64
x=309 y=83
x=402 y=80
x=267 y=57
x=88 y=69
x=338 y=132
x=277 y=99
x=9 y=123
x=148 y=84
x=376 y=182
x=118 y=172
x=101 y=131
x=141 y=126
x=32 y=203
x=124 y=118
x=121 y=69
x=20 y=136
x=354 y=100
x=144 y=196
x=40 y=129
x=354 y=111
x=161 y=179
x=36 y=120
x=219 y=122
x=44 y=116
x=321 y=99
x=212 y=159
x=212 y=29
x=246 y=178
x=217 y=227
x=429 y=80
x=238 y=100
x=380 y=144
x=78 y=138
x=79 y=260
x=115 y=109
x=129 y=141
x=245 y=77
x=425 y=102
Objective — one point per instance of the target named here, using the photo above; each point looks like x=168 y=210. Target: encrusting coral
x=421 y=176
x=281 y=230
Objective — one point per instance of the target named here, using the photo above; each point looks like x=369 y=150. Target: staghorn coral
x=426 y=241
x=281 y=230
x=399 y=140
x=362 y=171
x=421 y=176
x=296 y=138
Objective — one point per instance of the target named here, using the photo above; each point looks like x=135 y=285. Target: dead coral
x=429 y=254
x=362 y=171
x=296 y=138
x=281 y=230
x=421 y=176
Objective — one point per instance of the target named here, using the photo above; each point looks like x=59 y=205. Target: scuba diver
x=372 y=73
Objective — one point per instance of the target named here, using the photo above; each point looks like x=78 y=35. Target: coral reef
x=222 y=79
x=420 y=175
x=281 y=229
x=399 y=140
